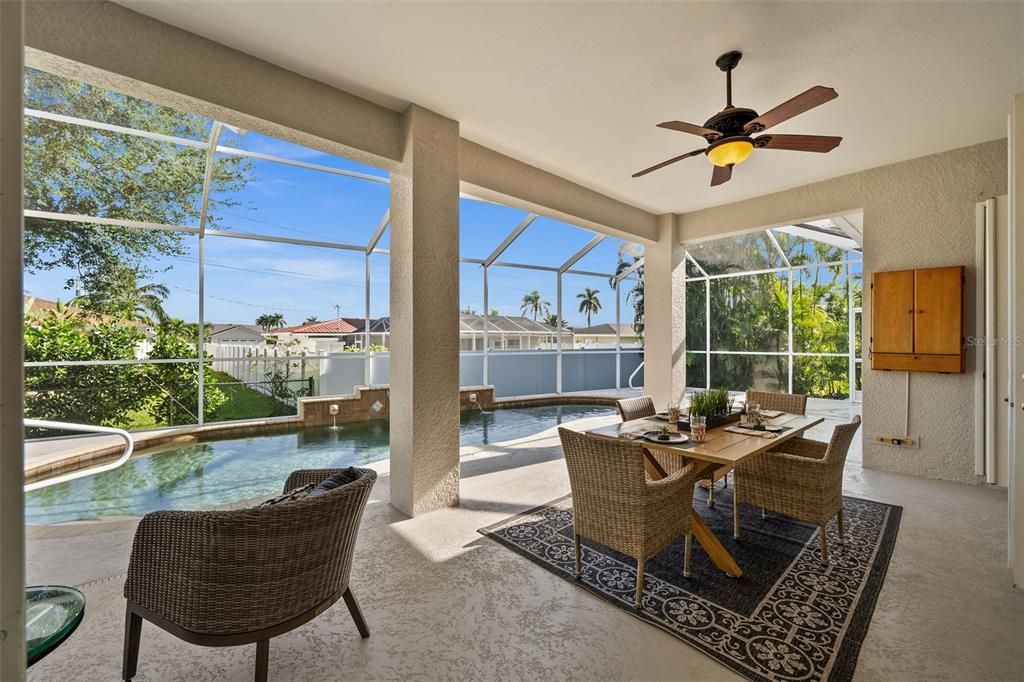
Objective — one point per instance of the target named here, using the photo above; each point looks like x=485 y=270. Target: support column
x=665 y=315
x=425 y=315
x=12 y=432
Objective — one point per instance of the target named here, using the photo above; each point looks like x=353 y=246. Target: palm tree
x=628 y=256
x=552 y=321
x=590 y=302
x=268 y=321
x=312 y=319
x=532 y=303
x=149 y=302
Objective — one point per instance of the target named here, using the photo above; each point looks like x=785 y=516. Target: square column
x=665 y=315
x=425 y=315
x=12 y=380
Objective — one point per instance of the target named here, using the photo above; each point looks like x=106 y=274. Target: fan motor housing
x=730 y=121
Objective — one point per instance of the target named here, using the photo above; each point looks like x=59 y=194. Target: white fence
x=512 y=373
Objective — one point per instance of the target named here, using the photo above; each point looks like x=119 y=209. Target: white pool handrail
x=129 y=445
x=635 y=372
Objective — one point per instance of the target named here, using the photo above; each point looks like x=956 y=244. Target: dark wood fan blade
x=805 y=101
x=799 y=143
x=684 y=127
x=721 y=175
x=687 y=155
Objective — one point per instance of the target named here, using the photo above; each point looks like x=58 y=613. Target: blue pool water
x=208 y=474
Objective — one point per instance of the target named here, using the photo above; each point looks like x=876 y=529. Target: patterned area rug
x=789 y=617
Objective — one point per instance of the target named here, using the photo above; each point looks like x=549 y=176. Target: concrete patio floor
x=444 y=602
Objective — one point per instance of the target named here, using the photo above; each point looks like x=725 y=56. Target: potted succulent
x=665 y=432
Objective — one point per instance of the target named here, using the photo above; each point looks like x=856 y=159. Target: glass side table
x=52 y=612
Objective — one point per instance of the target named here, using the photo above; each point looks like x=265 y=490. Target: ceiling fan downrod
x=727 y=62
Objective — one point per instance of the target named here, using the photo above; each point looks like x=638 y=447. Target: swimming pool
x=208 y=474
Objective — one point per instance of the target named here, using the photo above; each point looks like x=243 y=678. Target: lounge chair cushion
x=336 y=481
x=290 y=496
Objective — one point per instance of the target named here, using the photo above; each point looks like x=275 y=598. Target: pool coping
x=40 y=466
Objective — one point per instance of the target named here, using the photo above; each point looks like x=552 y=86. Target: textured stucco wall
x=494 y=176
x=106 y=44
x=665 y=315
x=425 y=315
x=917 y=214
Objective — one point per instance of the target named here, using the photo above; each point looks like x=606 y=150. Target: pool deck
x=443 y=602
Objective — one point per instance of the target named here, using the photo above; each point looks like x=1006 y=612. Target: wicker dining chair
x=636 y=408
x=615 y=505
x=642 y=408
x=227 y=578
x=793 y=403
x=803 y=479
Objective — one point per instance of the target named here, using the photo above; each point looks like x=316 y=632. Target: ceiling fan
x=729 y=132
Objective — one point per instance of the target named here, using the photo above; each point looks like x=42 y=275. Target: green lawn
x=243 y=402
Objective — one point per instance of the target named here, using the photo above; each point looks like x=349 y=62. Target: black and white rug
x=789 y=617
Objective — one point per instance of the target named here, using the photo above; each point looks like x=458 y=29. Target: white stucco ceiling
x=576 y=88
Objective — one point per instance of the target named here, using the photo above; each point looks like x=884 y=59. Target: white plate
x=674 y=440
x=773 y=428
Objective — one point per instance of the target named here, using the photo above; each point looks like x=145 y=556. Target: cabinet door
x=892 y=312
x=938 y=302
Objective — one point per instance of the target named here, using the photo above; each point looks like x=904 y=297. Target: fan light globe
x=730 y=153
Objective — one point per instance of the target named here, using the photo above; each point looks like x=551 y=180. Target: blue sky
x=245 y=278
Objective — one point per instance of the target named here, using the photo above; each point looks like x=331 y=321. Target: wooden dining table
x=716 y=455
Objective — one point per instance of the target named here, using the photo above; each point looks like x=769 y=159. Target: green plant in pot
x=664 y=432
x=710 y=403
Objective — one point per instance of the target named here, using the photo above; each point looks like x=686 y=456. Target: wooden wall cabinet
x=917 y=320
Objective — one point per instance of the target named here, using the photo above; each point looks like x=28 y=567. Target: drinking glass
x=673 y=418
x=698 y=427
x=753 y=409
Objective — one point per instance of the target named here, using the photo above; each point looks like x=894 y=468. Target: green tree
x=534 y=304
x=268 y=321
x=98 y=394
x=629 y=254
x=590 y=302
x=552 y=321
x=175 y=386
x=73 y=169
x=312 y=319
x=117 y=291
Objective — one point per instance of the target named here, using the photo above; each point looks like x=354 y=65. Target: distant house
x=507 y=333
x=236 y=333
x=503 y=333
x=605 y=336
x=315 y=337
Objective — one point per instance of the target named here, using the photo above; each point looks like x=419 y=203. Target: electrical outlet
x=898 y=441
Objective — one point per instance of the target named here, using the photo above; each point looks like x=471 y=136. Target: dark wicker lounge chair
x=227 y=578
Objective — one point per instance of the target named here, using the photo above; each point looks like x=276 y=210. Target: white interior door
x=1016 y=232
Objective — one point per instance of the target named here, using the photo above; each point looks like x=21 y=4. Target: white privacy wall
x=917 y=214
